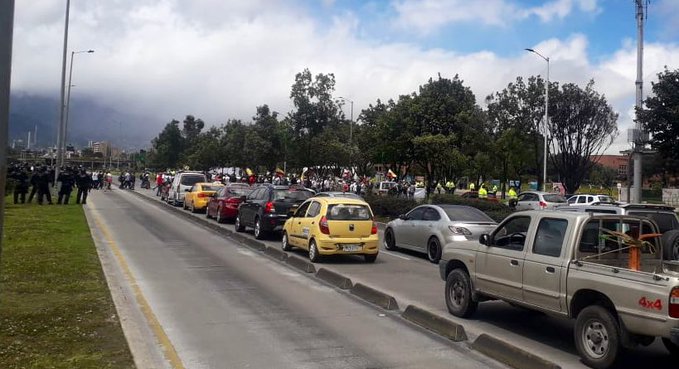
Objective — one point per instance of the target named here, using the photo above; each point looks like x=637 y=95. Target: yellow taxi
x=332 y=225
x=199 y=194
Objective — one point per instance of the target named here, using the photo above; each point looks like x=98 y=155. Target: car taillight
x=543 y=204
x=232 y=200
x=268 y=208
x=373 y=230
x=674 y=303
x=460 y=230
x=323 y=225
x=202 y=194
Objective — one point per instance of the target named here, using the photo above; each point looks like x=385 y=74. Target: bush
x=389 y=206
x=392 y=207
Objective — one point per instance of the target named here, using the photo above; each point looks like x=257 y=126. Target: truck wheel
x=389 y=240
x=459 y=294
x=671 y=347
x=434 y=250
x=670 y=245
x=597 y=337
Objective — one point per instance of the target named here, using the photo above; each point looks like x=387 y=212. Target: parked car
x=583 y=199
x=197 y=197
x=427 y=228
x=382 y=188
x=475 y=195
x=183 y=181
x=664 y=216
x=538 y=200
x=223 y=205
x=267 y=208
x=330 y=226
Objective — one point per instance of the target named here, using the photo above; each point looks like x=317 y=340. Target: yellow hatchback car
x=199 y=194
x=332 y=225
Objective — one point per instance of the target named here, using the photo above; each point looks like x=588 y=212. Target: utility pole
x=61 y=133
x=6 y=29
x=638 y=135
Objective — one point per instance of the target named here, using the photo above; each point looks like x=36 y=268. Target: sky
x=220 y=59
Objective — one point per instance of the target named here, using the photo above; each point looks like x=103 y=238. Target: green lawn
x=55 y=307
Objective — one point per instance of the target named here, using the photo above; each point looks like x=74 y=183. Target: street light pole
x=60 y=132
x=351 y=122
x=546 y=122
x=68 y=95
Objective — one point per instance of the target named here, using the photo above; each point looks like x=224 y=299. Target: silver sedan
x=427 y=227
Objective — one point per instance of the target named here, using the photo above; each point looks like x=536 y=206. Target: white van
x=182 y=183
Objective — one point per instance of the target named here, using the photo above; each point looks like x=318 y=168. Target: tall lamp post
x=68 y=94
x=546 y=122
x=60 y=131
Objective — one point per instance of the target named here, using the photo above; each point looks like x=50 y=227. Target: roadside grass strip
x=56 y=310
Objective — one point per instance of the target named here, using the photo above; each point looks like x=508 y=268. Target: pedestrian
x=34 y=183
x=67 y=179
x=43 y=183
x=82 y=181
x=109 y=180
x=20 y=176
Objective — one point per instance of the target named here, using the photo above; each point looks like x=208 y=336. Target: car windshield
x=554 y=198
x=348 y=212
x=288 y=195
x=666 y=222
x=190 y=180
x=466 y=214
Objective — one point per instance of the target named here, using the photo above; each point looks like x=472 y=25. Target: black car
x=268 y=207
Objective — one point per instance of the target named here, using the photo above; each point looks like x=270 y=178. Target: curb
x=275 y=253
x=374 y=296
x=334 y=279
x=257 y=245
x=509 y=354
x=426 y=319
x=301 y=264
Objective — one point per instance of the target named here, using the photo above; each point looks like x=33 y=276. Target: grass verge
x=55 y=306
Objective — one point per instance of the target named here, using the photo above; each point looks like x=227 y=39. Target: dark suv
x=268 y=207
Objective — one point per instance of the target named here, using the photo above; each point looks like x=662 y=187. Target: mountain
x=88 y=121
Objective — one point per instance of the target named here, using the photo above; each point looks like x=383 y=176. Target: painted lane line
x=395 y=255
x=162 y=337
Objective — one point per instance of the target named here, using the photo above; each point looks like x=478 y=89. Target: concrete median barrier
x=334 y=279
x=437 y=324
x=301 y=264
x=509 y=354
x=275 y=253
x=257 y=245
x=374 y=296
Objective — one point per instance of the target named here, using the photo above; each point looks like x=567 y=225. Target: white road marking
x=395 y=255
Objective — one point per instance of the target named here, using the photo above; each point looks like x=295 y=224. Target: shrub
x=389 y=206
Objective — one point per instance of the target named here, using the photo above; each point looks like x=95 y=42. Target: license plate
x=351 y=248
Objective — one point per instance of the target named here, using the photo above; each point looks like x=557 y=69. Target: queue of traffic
x=529 y=259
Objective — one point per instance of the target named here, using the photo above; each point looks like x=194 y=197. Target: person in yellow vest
x=449 y=186
x=472 y=187
x=511 y=193
x=439 y=187
x=483 y=194
x=494 y=189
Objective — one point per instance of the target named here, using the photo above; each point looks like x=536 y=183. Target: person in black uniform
x=67 y=179
x=34 y=174
x=20 y=176
x=43 y=182
x=83 y=181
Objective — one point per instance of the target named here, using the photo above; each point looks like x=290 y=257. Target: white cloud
x=160 y=59
x=426 y=16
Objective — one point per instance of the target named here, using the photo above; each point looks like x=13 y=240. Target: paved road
x=410 y=278
x=213 y=303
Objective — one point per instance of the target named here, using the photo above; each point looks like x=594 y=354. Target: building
x=102 y=147
x=619 y=163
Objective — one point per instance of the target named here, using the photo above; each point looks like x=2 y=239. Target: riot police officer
x=83 y=181
x=67 y=179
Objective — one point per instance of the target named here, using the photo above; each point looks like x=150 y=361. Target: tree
x=582 y=125
x=660 y=117
x=168 y=146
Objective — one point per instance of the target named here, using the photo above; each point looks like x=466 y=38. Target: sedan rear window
x=348 y=212
x=191 y=180
x=287 y=195
x=554 y=198
x=467 y=214
x=239 y=191
x=211 y=188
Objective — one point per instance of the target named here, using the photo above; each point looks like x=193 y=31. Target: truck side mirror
x=484 y=239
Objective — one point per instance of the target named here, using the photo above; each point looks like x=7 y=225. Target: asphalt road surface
x=212 y=303
x=411 y=279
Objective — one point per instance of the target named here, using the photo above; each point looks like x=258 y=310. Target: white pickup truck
x=604 y=271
